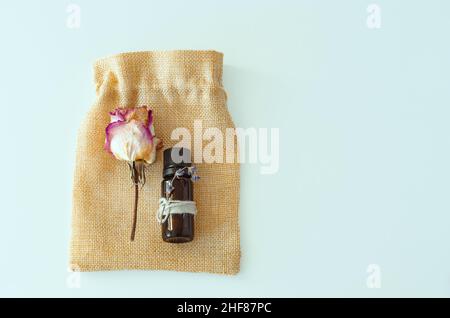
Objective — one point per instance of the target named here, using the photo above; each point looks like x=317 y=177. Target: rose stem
x=136 y=196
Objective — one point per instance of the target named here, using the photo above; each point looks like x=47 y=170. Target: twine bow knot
x=169 y=206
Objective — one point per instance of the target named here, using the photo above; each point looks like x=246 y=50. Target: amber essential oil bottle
x=177 y=228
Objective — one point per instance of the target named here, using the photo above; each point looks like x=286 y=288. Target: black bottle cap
x=174 y=159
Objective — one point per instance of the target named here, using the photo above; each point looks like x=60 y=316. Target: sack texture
x=180 y=87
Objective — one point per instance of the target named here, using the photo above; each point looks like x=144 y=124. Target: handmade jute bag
x=181 y=87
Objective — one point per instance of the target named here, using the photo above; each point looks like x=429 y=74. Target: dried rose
x=130 y=136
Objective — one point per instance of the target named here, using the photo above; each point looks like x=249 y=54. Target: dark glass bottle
x=178 y=228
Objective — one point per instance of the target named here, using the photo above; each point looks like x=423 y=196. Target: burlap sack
x=180 y=86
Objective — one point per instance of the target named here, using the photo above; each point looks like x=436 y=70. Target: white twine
x=168 y=207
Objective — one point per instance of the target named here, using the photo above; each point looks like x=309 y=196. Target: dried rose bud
x=130 y=136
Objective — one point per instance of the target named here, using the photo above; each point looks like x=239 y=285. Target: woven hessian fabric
x=180 y=87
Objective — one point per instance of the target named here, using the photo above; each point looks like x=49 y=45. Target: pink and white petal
x=152 y=158
x=109 y=133
x=150 y=127
x=121 y=114
x=130 y=141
